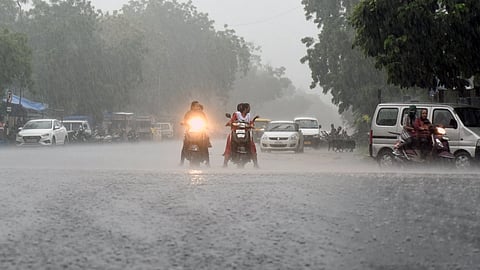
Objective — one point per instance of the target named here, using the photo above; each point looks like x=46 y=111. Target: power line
x=269 y=18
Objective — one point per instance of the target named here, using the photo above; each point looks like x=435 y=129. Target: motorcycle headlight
x=196 y=124
x=441 y=131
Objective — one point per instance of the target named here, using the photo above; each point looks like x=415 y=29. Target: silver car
x=42 y=132
x=282 y=136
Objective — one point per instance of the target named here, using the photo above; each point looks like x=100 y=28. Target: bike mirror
x=228 y=115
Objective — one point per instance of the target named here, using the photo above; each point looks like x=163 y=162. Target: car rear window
x=387 y=117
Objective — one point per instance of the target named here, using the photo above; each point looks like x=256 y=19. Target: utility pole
x=9 y=110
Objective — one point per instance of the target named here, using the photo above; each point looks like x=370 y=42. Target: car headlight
x=264 y=137
x=46 y=135
x=316 y=136
x=294 y=137
x=19 y=135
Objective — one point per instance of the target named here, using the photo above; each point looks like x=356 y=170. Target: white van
x=164 y=129
x=461 y=122
x=310 y=129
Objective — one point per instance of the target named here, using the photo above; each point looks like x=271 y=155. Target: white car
x=42 y=132
x=282 y=136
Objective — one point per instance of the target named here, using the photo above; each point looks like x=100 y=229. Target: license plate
x=242 y=131
x=278 y=142
x=307 y=142
x=31 y=140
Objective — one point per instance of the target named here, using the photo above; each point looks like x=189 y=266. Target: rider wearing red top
x=423 y=130
x=243 y=114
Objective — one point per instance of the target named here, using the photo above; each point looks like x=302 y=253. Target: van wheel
x=385 y=159
x=463 y=160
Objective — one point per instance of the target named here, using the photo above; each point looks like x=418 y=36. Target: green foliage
x=15 y=59
x=150 y=57
x=337 y=67
x=420 y=41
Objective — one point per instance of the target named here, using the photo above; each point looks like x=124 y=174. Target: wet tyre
x=386 y=159
x=463 y=161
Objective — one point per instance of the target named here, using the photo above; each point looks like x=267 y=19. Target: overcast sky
x=277 y=26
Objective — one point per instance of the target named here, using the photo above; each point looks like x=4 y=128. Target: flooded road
x=131 y=206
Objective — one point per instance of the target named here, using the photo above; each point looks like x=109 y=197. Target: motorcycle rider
x=409 y=132
x=196 y=110
x=423 y=129
x=242 y=114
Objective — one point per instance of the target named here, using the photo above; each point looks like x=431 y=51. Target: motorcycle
x=196 y=142
x=439 y=149
x=241 y=139
x=132 y=136
x=79 y=136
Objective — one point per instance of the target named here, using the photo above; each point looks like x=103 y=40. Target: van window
x=417 y=114
x=307 y=123
x=387 y=117
x=470 y=116
x=443 y=117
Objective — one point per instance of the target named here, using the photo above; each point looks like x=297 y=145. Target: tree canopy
x=339 y=68
x=421 y=42
x=15 y=59
x=148 y=57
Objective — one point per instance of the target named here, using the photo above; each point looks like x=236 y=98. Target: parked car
x=461 y=123
x=74 y=125
x=165 y=130
x=282 y=136
x=42 y=132
x=310 y=129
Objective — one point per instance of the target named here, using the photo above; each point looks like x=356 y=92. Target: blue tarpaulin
x=28 y=104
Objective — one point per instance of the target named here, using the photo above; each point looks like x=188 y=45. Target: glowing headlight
x=441 y=131
x=196 y=124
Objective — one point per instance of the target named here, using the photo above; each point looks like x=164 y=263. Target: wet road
x=132 y=207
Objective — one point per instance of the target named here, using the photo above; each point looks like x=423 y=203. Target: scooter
x=196 y=142
x=439 y=149
x=241 y=136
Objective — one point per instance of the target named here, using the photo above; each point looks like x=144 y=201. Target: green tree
x=186 y=58
x=337 y=67
x=421 y=42
x=15 y=59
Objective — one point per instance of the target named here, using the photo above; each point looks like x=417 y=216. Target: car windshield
x=38 y=125
x=470 y=116
x=307 y=123
x=280 y=127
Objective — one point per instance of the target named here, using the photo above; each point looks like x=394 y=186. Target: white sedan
x=282 y=136
x=42 y=132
